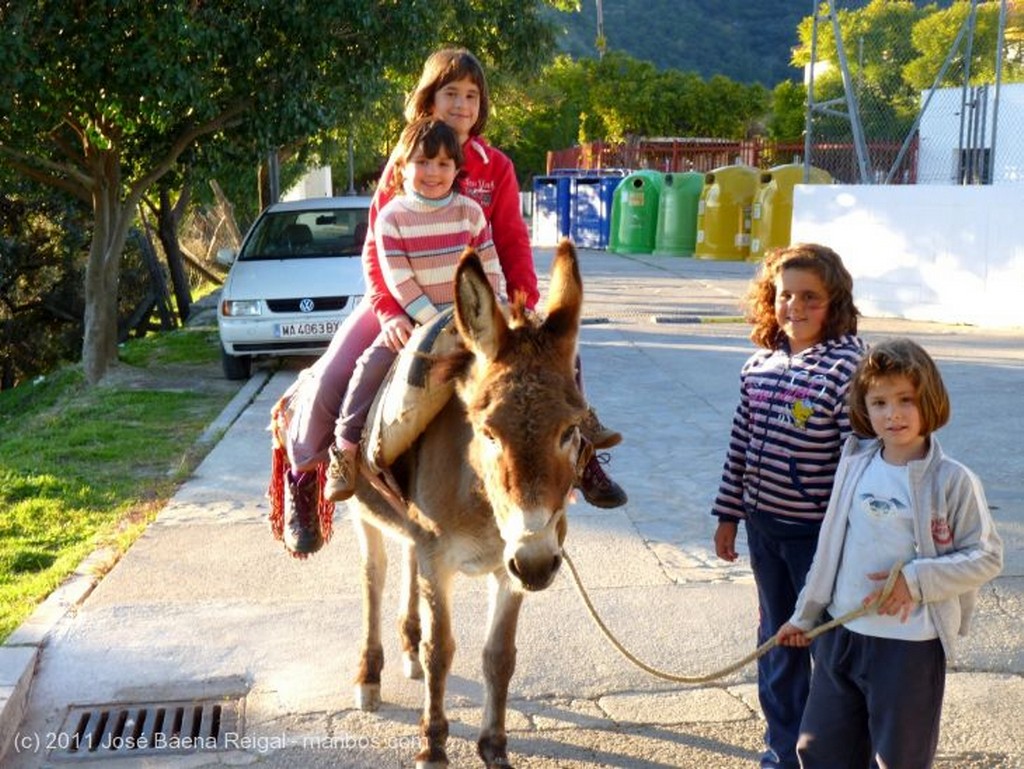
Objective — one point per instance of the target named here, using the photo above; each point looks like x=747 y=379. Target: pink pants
x=318 y=402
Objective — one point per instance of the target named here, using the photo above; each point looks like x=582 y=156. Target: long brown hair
x=823 y=262
x=442 y=67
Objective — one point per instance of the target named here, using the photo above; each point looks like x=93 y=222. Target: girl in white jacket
x=878 y=682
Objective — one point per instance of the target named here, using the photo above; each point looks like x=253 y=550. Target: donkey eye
x=569 y=434
x=487 y=433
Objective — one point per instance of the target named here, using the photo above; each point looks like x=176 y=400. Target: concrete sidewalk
x=207 y=607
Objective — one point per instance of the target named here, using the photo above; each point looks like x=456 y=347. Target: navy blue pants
x=873 y=699
x=780 y=556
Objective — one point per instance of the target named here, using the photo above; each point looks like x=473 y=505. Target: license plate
x=306 y=328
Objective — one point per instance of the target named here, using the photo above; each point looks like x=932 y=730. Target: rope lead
x=759 y=652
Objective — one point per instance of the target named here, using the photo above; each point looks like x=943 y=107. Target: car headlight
x=236 y=308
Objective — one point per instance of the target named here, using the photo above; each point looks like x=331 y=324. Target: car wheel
x=235 y=366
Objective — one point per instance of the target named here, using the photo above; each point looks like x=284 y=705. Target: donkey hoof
x=368 y=697
x=411 y=666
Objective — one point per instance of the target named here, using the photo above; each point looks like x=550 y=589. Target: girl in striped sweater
x=786 y=437
x=420 y=235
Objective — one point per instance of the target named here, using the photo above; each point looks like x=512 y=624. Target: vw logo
x=306 y=305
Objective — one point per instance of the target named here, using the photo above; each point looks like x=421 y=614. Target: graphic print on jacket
x=787 y=430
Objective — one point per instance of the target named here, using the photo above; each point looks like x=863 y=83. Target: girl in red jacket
x=452 y=88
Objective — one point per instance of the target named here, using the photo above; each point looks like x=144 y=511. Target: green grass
x=83 y=468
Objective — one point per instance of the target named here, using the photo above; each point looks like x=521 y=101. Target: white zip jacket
x=957 y=547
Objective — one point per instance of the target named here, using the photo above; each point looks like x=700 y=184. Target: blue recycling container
x=551 y=209
x=586 y=212
x=608 y=186
x=593 y=194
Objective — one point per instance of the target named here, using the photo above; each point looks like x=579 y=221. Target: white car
x=295 y=279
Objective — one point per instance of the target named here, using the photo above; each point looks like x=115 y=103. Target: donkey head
x=525 y=408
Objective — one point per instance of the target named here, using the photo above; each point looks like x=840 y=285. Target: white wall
x=316 y=183
x=947 y=254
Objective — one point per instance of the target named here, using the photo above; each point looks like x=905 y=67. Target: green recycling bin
x=676 y=231
x=635 y=213
x=771 y=215
x=723 y=214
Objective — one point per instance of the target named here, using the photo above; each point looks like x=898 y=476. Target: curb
x=20 y=652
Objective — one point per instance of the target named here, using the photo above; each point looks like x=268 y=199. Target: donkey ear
x=565 y=294
x=477 y=314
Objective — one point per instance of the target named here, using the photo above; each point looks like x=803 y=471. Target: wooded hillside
x=745 y=41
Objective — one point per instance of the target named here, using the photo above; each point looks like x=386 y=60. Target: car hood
x=295 y=278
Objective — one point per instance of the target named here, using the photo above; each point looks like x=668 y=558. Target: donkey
x=484 y=492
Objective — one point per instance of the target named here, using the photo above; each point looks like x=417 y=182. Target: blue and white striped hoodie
x=788 y=431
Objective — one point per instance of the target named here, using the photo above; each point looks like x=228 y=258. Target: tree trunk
x=168 y=218
x=112 y=218
x=161 y=299
x=99 y=344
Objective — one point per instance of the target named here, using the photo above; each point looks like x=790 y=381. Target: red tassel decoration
x=278 y=467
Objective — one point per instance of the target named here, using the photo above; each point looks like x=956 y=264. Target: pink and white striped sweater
x=421 y=242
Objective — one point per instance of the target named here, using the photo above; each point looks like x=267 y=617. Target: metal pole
x=809 y=120
x=999 y=79
x=351 y=169
x=970 y=147
x=852 y=106
x=967 y=79
x=273 y=176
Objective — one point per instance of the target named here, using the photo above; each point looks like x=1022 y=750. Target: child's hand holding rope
x=891 y=599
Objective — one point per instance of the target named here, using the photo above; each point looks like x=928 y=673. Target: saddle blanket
x=408 y=399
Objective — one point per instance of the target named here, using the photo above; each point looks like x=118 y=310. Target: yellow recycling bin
x=723 y=213
x=771 y=215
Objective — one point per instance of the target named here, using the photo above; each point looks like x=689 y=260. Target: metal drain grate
x=155 y=728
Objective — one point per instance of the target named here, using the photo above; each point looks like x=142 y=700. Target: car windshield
x=307 y=234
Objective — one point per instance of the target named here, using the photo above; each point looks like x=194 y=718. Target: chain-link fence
x=918 y=95
x=912 y=95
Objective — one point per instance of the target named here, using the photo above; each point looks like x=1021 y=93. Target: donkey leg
x=371 y=656
x=437 y=649
x=409 y=620
x=499 y=662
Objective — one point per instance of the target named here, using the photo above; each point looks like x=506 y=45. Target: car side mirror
x=226 y=256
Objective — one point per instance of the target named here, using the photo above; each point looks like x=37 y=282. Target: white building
x=945 y=158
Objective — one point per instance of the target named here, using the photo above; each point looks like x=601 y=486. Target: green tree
x=513 y=40
x=618 y=98
x=877 y=42
x=789 y=105
x=101 y=98
x=43 y=237
x=934 y=35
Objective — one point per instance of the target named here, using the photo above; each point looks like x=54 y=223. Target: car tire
x=235 y=366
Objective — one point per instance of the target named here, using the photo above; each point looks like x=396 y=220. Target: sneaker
x=341 y=474
x=301 y=519
x=598 y=489
x=600 y=436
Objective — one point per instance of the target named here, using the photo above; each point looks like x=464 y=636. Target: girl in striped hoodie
x=787 y=433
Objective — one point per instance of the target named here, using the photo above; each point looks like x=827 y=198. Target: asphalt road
x=207 y=608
